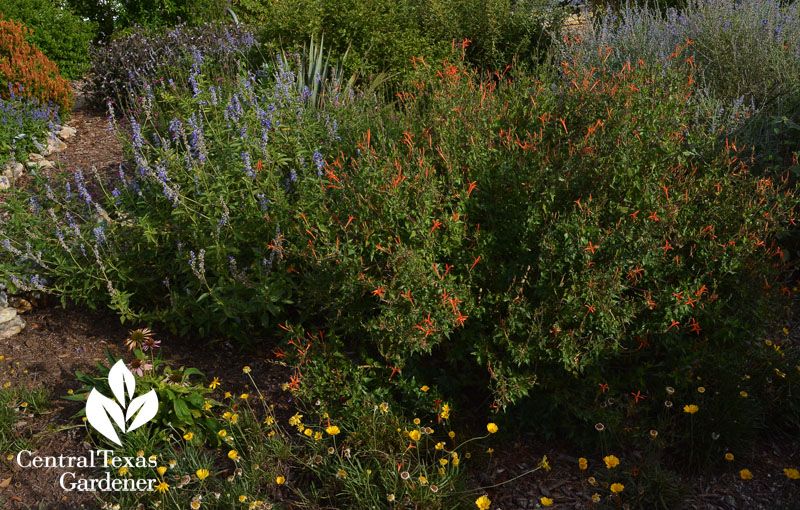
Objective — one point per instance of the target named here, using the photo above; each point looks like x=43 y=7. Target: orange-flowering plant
x=27 y=72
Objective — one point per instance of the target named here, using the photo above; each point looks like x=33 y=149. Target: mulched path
x=94 y=144
x=58 y=341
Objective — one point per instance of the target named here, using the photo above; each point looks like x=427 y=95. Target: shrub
x=747 y=54
x=503 y=231
x=573 y=230
x=124 y=67
x=113 y=17
x=61 y=35
x=222 y=173
x=26 y=71
x=385 y=36
x=569 y=233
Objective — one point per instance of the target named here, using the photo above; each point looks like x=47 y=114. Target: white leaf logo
x=102 y=413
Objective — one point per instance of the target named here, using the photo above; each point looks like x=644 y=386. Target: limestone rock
x=66 y=132
x=54 y=145
x=35 y=157
x=7 y=314
x=11 y=328
x=41 y=165
x=12 y=170
x=4 y=183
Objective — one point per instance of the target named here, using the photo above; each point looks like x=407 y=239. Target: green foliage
x=21 y=122
x=542 y=173
x=62 y=35
x=15 y=404
x=746 y=54
x=313 y=71
x=183 y=404
x=360 y=455
x=385 y=36
x=119 y=15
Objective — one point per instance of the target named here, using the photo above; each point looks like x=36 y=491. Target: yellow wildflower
x=616 y=488
x=246 y=369
x=425 y=389
x=729 y=457
x=546 y=501
x=690 y=408
x=162 y=487
x=483 y=503
x=202 y=474
x=188 y=436
x=332 y=430
x=611 y=461
x=792 y=473
x=414 y=434
x=214 y=383
x=233 y=455
x=161 y=470
x=492 y=428
x=583 y=463
x=745 y=474
x=295 y=420
x=280 y=480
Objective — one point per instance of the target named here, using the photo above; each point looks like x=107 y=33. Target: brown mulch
x=94 y=144
x=58 y=341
